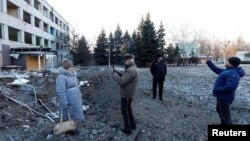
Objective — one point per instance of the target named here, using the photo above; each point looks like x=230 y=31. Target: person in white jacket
x=68 y=93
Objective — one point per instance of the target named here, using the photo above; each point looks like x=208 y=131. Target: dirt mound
x=187 y=109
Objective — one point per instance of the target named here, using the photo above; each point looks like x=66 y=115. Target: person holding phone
x=225 y=86
x=128 y=85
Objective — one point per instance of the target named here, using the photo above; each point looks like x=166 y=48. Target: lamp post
x=109 y=56
x=225 y=51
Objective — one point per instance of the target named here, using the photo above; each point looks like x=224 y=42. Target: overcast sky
x=224 y=19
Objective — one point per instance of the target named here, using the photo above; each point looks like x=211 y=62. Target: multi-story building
x=32 y=34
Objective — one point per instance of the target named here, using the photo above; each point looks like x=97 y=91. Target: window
x=38 y=41
x=51 y=16
x=14 y=34
x=52 y=30
x=45 y=11
x=37 y=22
x=45 y=27
x=26 y=17
x=37 y=5
x=56 y=20
x=46 y=43
x=12 y=9
x=27 y=38
x=28 y=1
x=1 y=31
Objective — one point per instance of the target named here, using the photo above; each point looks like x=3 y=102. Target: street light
x=109 y=55
x=225 y=51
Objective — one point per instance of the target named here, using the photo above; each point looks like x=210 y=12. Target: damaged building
x=32 y=35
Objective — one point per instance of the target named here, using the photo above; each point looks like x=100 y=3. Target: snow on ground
x=187 y=109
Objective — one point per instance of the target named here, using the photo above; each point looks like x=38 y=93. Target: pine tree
x=126 y=40
x=171 y=54
x=161 y=40
x=83 y=52
x=111 y=46
x=101 y=53
x=177 y=54
x=133 y=45
x=149 y=48
x=118 y=44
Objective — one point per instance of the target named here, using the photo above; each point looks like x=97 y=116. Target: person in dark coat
x=68 y=93
x=128 y=86
x=225 y=86
x=159 y=70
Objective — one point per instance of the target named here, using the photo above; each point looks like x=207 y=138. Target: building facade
x=33 y=32
x=243 y=55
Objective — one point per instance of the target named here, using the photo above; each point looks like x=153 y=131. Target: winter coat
x=227 y=81
x=158 y=70
x=128 y=81
x=69 y=95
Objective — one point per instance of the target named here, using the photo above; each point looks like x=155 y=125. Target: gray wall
x=6 y=55
x=21 y=61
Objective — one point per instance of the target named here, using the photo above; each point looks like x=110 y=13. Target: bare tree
x=239 y=44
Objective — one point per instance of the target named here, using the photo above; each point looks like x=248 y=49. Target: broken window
x=1 y=31
x=57 y=46
x=46 y=43
x=38 y=40
x=12 y=9
x=26 y=17
x=52 y=30
x=45 y=27
x=28 y=1
x=51 y=15
x=27 y=38
x=37 y=22
x=45 y=11
x=56 y=20
x=53 y=44
x=60 y=23
x=14 y=34
x=37 y=5
x=57 y=33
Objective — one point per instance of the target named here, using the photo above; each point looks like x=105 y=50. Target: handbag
x=65 y=126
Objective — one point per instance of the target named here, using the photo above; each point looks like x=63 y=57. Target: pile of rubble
x=29 y=110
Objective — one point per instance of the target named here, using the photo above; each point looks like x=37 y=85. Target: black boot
x=133 y=126
x=126 y=131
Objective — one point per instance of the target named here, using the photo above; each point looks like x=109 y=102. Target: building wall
x=57 y=26
x=32 y=62
x=29 y=62
x=21 y=61
x=243 y=55
x=6 y=55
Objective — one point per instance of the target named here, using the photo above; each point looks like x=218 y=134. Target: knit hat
x=128 y=56
x=235 y=61
x=66 y=64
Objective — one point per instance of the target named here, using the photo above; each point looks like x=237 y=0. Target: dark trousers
x=155 y=83
x=127 y=113
x=223 y=109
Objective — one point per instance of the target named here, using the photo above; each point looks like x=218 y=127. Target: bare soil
x=187 y=110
